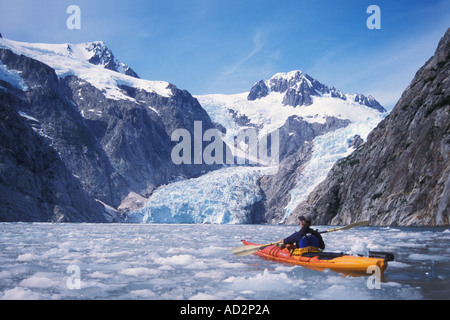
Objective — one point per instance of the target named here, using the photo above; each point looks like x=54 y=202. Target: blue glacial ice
x=328 y=149
x=221 y=196
x=225 y=196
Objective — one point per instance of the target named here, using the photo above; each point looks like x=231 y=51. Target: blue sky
x=212 y=46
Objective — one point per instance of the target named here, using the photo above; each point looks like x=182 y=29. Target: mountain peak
x=295 y=80
x=96 y=53
x=102 y=55
x=299 y=89
x=295 y=74
x=92 y=62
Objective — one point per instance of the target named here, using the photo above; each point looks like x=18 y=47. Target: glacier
x=226 y=196
x=328 y=149
x=12 y=77
x=220 y=197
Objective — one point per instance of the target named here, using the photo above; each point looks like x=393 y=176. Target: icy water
x=182 y=262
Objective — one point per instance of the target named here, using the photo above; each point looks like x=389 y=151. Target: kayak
x=339 y=262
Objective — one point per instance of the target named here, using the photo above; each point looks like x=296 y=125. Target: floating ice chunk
x=183 y=259
x=143 y=294
x=360 y=247
x=266 y=281
x=425 y=257
x=40 y=281
x=19 y=293
x=203 y=296
x=139 y=271
x=28 y=257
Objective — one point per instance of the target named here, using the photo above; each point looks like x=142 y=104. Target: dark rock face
x=298 y=89
x=35 y=185
x=136 y=139
x=258 y=91
x=369 y=101
x=401 y=176
x=296 y=131
x=94 y=148
x=61 y=124
x=275 y=188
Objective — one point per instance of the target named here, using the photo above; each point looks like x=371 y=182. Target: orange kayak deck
x=327 y=260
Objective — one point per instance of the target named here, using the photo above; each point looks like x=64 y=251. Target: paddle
x=250 y=249
x=350 y=226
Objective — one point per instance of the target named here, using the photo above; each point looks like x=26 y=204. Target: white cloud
x=230 y=74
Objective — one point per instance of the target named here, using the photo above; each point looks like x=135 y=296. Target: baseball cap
x=307 y=219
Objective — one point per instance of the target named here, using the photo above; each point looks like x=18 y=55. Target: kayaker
x=306 y=239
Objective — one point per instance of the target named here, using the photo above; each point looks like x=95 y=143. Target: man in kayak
x=306 y=239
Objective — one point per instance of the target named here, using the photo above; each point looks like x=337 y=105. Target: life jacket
x=309 y=240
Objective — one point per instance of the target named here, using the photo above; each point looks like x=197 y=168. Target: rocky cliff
x=401 y=175
x=35 y=184
x=79 y=128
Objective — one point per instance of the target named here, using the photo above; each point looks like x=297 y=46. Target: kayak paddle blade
x=245 y=250
x=250 y=249
x=356 y=224
x=350 y=226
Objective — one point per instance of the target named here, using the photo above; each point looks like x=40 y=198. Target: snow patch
x=73 y=60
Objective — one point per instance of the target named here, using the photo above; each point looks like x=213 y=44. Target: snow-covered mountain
x=110 y=129
x=112 y=133
x=317 y=126
x=92 y=62
x=270 y=103
x=299 y=89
